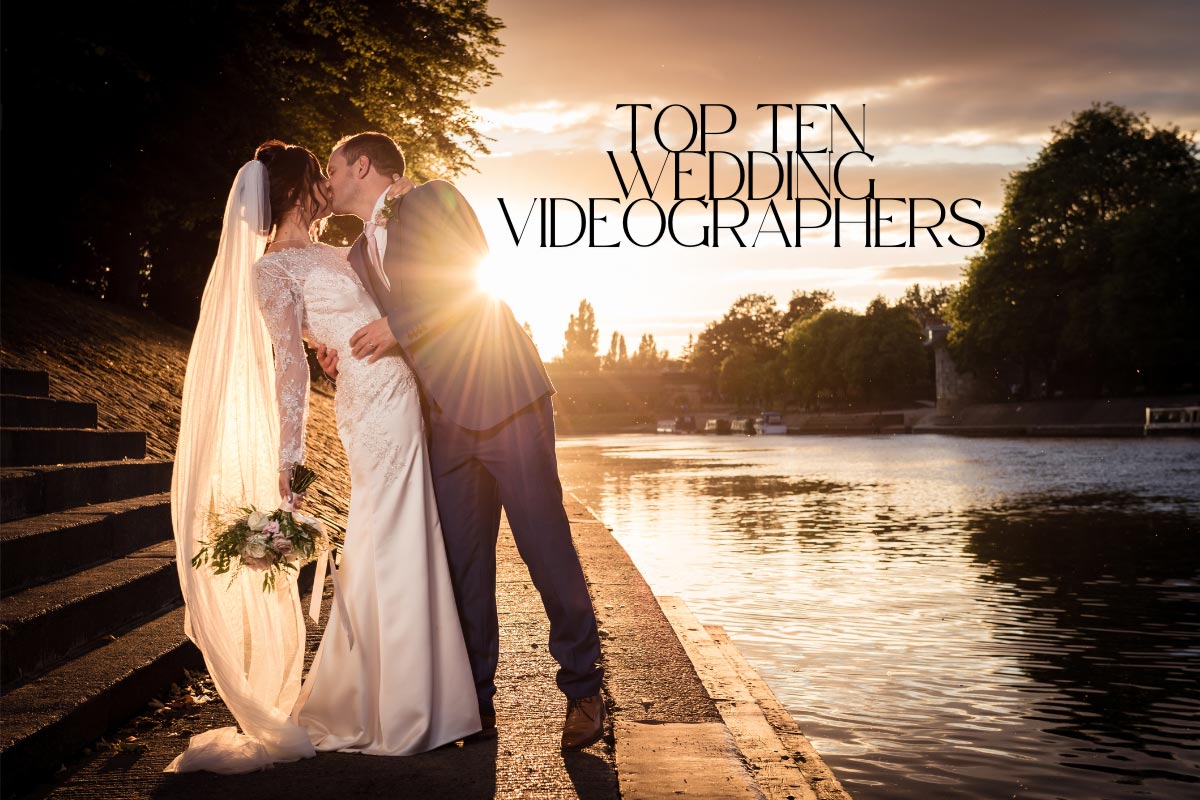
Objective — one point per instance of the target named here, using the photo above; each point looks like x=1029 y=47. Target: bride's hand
x=400 y=187
x=285 y=490
x=285 y=485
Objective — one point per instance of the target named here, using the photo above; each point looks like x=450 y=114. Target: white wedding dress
x=391 y=675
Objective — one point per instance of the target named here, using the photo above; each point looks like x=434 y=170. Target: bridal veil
x=253 y=641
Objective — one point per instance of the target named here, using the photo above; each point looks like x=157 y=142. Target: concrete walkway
x=655 y=699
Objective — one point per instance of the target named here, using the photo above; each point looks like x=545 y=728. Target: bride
x=391 y=675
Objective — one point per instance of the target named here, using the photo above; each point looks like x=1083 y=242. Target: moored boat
x=770 y=423
x=744 y=426
x=718 y=426
x=1175 y=419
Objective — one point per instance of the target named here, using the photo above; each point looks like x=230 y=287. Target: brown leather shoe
x=585 y=722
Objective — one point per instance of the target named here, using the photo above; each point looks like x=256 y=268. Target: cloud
x=547 y=116
x=921 y=273
x=1006 y=68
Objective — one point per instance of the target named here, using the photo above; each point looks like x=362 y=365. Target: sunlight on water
x=944 y=617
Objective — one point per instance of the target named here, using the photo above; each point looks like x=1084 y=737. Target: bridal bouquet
x=267 y=542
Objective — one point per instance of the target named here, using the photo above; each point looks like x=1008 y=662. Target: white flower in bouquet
x=256 y=546
x=258 y=520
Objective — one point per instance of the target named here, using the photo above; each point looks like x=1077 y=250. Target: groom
x=490 y=415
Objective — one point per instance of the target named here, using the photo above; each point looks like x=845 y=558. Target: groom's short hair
x=379 y=148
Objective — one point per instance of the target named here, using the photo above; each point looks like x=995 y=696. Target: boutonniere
x=386 y=214
x=400 y=187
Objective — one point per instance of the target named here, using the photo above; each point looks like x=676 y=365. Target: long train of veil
x=252 y=640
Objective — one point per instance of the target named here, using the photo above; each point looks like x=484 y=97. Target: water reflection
x=944 y=617
x=1112 y=598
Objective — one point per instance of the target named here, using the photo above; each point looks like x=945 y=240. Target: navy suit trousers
x=512 y=465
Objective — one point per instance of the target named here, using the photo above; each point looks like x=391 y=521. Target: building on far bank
x=955 y=388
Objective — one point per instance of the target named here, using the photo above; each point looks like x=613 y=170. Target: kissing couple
x=444 y=409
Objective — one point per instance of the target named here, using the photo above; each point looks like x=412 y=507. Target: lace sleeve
x=283 y=309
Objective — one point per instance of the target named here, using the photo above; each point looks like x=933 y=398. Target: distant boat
x=1176 y=419
x=770 y=423
x=744 y=426
x=718 y=426
x=683 y=424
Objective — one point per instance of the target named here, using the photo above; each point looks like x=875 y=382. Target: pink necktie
x=373 y=254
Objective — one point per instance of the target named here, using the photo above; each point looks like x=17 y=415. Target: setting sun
x=490 y=275
x=531 y=290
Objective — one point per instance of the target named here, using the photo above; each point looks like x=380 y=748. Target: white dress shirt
x=380 y=234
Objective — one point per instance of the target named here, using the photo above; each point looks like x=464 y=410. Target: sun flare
x=490 y=275
x=534 y=292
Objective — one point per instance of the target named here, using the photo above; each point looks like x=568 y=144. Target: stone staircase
x=91 y=617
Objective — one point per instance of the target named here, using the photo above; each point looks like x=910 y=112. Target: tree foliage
x=804 y=305
x=647 y=356
x=873 y=359
x=618 y=355
x=817 y=351
x=753 y=323
x=137 y=121
x=928 y=304
x=740 y=379
x=1088 y=277
x=582 y=339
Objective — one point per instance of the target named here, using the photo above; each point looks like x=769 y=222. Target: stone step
x=41 y=548
x=24 y=382
x=27 y=491
x=22 y=447
x=19 y=411
x=52 y=717
x=42 y=625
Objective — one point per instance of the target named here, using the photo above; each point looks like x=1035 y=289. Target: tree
x=927 y=305
x=753 y=321
x=529 y=332
x=817 y=352
x=618 y=357
x=155 y=110
x=741 y=376
x=688 y=349
x=582 y=339
x=885 y=362
x=875 y=358
x=1088 y=273
x=804 y=305
x=647 y=355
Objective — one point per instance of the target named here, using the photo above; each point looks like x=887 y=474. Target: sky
x=957 y=97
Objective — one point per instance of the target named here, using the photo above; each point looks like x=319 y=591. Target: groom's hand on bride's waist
x=374 y=339
x=328 y=359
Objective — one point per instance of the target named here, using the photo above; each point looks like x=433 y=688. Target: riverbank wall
x=1122 y=416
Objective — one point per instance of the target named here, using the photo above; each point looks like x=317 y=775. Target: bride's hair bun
x=293 y=176
x=269 y=151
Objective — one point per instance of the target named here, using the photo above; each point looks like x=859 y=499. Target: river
x=944 y=617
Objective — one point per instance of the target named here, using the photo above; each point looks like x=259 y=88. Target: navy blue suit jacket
x=472 y=358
